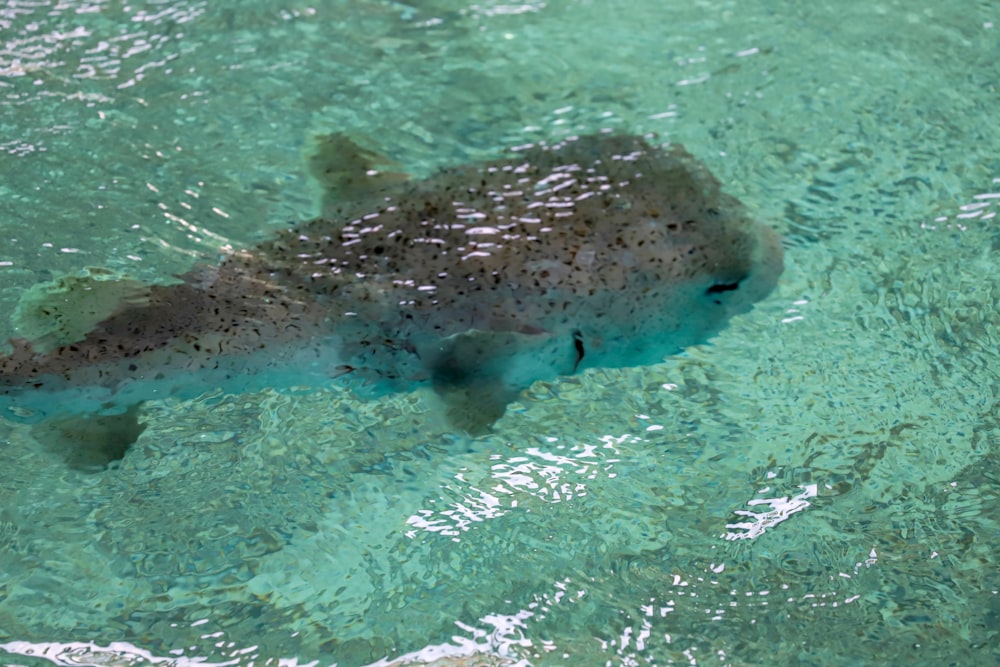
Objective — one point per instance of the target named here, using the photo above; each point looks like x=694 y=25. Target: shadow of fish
x=597 y=251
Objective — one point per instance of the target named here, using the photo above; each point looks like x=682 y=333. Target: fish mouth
x=739 y=290
x=718 y=288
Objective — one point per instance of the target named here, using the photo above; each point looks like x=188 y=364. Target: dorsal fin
x=348 y=171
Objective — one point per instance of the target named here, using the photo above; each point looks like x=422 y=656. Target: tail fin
x=65 y=310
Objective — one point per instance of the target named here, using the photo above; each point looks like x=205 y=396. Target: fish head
x=670 y=261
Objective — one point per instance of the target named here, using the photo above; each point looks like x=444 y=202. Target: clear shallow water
x=819 y=485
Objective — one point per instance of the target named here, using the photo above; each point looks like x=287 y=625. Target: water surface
x=817 y=485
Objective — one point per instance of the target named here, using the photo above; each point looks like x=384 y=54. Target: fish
x=599 y=250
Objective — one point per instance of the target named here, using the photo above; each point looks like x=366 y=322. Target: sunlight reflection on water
x=823 y=470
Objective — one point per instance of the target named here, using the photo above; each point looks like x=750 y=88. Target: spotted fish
x=593 y=251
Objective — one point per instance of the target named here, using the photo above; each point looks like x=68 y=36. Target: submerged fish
x=597 y=251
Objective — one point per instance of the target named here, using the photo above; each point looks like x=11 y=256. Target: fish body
x=597 y=251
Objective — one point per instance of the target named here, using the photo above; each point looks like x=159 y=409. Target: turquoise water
x=819 y=485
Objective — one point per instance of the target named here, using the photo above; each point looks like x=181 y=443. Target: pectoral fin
x=90 y=443
x=478 y=373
